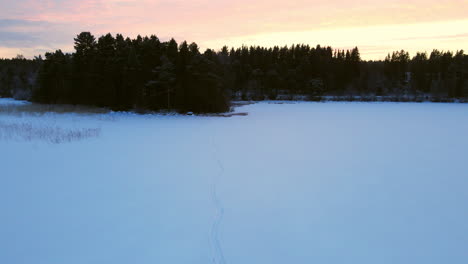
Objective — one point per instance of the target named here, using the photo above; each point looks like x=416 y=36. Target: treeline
x=146 y=73
x=142 y=73
x=18 y=77
x=440 y=74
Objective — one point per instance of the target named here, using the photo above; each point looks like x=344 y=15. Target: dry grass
x=54 y=135
x=41 y=109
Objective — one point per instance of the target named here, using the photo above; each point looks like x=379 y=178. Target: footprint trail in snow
x=218 y=257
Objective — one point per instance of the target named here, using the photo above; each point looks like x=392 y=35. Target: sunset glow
x=33 y=27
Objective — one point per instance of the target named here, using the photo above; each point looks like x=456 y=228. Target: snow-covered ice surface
x=289 y=183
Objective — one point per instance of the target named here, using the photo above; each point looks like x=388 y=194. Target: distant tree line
x=149 y=74
x=440 y=74
x=18 y=77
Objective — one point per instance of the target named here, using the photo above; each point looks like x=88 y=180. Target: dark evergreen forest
x=148 y=74
x=18 y=77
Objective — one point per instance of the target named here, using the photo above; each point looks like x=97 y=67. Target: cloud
x=53 y=23
x=16 y=39
x=440 y=37
x=374 y=41
x=8 y=23
x=29 y=37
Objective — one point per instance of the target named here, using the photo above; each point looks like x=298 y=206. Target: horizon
x=31 y=29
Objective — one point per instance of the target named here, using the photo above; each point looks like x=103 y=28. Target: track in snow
x=218 y=257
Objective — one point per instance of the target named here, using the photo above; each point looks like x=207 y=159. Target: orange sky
x=32 y=27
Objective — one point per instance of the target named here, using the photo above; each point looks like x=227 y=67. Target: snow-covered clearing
x=289 y=183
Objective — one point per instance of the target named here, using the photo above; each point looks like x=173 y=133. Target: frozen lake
x=289 y=183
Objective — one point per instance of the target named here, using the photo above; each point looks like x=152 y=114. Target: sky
x=33 y=27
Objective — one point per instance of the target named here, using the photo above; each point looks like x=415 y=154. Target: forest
x=147 y=74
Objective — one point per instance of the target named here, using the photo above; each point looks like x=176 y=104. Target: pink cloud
x=207 y=20
x=248 y=16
